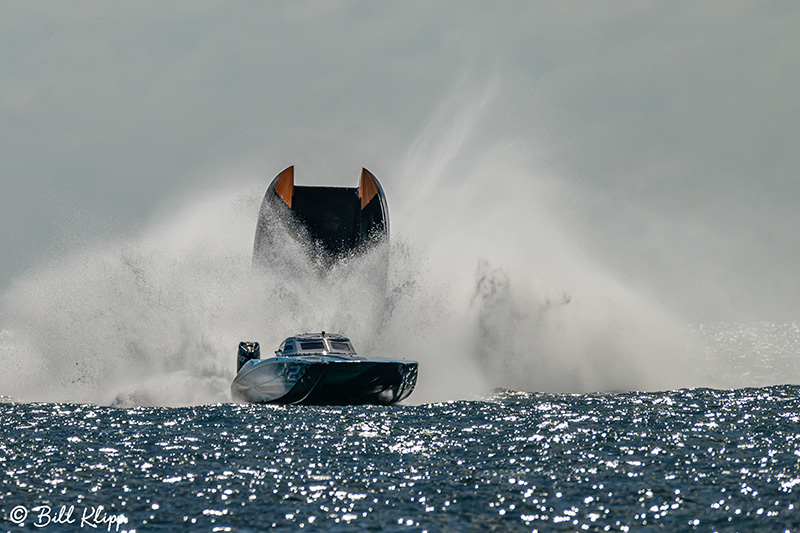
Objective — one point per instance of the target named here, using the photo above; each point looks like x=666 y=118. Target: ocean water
x=689 y=459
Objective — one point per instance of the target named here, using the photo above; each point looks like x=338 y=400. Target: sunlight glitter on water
x=517 y=461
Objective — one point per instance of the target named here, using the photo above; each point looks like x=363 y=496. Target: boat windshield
x=312 y=346
x=341 y=346
x=295 y=346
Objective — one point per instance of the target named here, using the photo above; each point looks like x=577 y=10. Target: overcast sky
x=677 y=123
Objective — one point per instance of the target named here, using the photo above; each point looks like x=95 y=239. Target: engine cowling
x=248 y=350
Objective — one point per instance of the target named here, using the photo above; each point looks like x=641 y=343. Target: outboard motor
x=248 y=350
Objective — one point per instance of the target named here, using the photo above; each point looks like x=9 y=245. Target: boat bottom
x=353 y=383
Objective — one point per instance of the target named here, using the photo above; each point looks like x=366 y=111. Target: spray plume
x=485 y=289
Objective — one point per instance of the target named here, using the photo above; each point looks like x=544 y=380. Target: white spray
x=485 y=290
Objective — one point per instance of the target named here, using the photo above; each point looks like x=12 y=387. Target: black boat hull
x=316 y=381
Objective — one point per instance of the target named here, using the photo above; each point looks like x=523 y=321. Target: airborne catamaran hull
x=332 y=222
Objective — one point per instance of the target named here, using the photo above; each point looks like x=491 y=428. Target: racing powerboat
x=320 y=369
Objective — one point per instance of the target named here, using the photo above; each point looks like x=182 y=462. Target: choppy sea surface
x=690 y=459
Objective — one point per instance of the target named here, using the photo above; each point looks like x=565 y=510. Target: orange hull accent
x=368 y=188
x=284 y=185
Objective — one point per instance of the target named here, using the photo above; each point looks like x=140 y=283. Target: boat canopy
x=321 y=343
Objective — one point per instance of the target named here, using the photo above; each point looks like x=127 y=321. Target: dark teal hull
x=321 y=380
x=353 y=383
